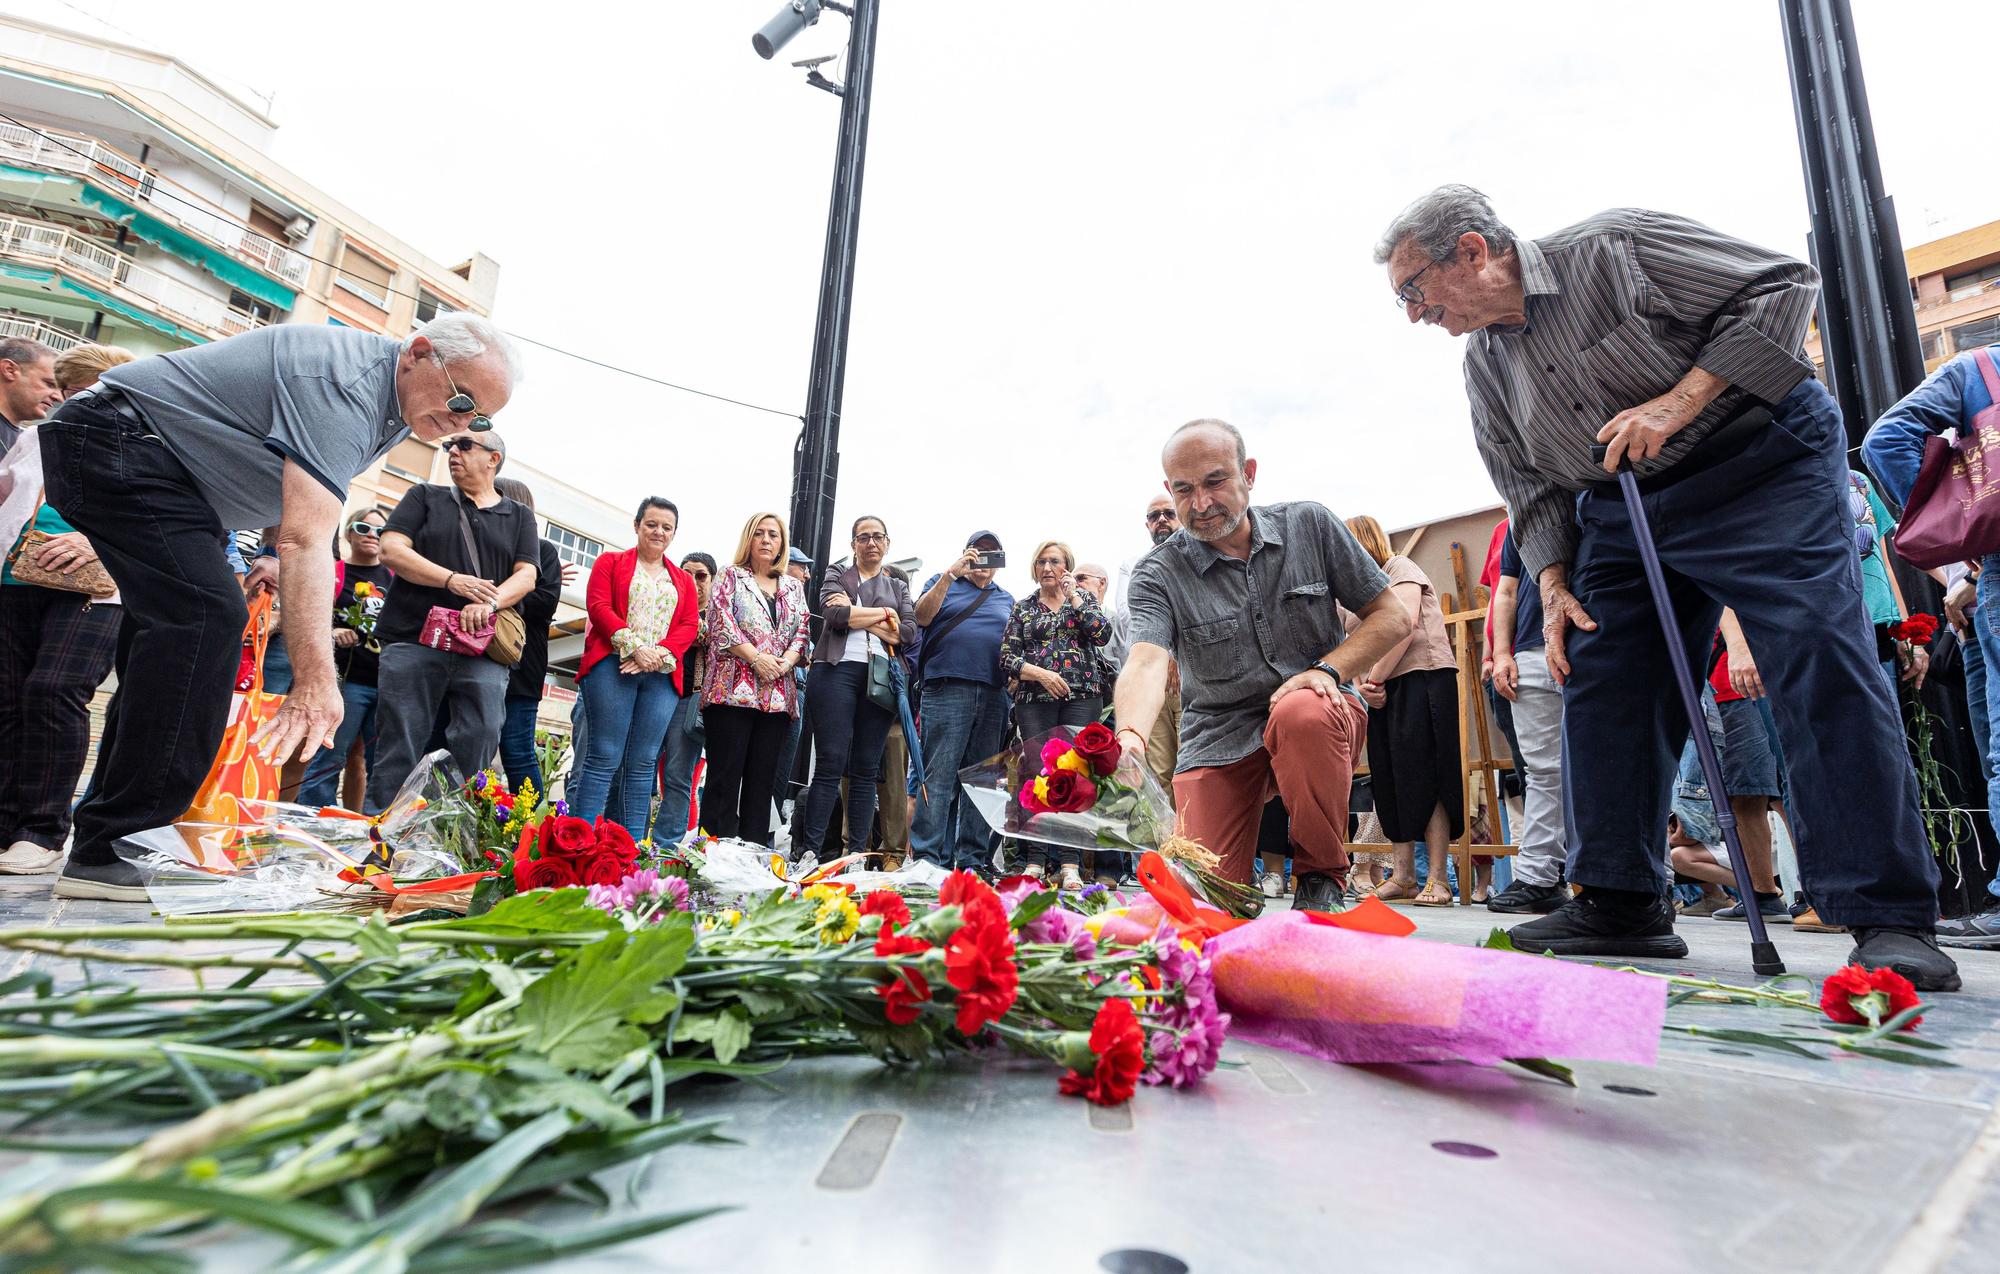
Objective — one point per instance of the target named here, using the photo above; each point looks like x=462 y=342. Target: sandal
x=1427 y=898
x=1393 y=890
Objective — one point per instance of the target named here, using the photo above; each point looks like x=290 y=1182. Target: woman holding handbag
x=642 y=611
x=850 y=697
x=59 y=617
x=756 y=639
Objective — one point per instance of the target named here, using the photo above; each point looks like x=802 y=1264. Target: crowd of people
x=1249 y=658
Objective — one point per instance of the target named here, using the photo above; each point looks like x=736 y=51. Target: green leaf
x=1499 y=941
x=306 y=1222
x=759 y=1003
x=1895 y=1055
x=39 y=981
x=726 y=1032
x=577 y=1013
x=1032 y=906
x=488 y=893
x=583 y=1154
x=1544 y=1067
x=377 y=940
x=541 y=911
x=506 y=1245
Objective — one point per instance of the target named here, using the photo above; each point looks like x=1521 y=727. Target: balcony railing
x=28 y=327
x=169 y=200
x=1956 y=295
x=90 y=261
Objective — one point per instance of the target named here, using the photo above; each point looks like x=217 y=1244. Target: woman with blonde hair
x=1053 y=648
x=756 y=636
x=79 y=366
x=1413 y=756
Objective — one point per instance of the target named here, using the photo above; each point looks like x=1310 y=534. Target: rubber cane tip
x=1764 y=959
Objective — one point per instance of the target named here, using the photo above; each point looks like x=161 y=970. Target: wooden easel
x=1479 y=769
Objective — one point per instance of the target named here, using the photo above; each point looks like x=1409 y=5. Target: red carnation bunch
x=979 y=955
x=906 y=988
x=562 y=851
x=1119 y=1045
x=888 y=904
x=1868 y=997
x=1917 y=630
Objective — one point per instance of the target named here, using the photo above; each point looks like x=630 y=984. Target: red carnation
x=604 y=867
x=888 y=904
x=973 y=897
x=979 y=963
x=1120 y=1048
x=544 y=873
x=902 y=994
x=891 y=943
x=1096 y=744
x=1852 y=993
x=573 y=836
x=1917 y=629
x=616 y=837
x=1070 y=792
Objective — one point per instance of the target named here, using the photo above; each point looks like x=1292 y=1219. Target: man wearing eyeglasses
x=263 y=431
x=364 y=587
x=1681 y=350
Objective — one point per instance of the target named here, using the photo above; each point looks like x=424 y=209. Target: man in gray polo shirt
x=261 y=431
x=1245 y=600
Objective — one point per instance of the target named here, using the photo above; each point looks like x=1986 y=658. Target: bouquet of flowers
x=361 y=614
x=1075 y=789
x=1946 y=825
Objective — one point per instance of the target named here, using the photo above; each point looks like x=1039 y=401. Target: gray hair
x=19 y=349
x=1242 y=452
x=1437 y=220
x=461 y=337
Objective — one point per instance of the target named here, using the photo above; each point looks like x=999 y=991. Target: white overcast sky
x=1084 y=221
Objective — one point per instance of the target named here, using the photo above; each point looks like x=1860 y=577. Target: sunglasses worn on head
x=460 y=403
x=363 y=528
x=467 y=444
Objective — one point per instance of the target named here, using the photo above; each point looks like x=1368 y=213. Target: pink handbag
x=1953 y=513
x=442 y=631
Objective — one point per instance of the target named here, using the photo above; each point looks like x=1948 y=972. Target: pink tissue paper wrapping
x=1360 y=997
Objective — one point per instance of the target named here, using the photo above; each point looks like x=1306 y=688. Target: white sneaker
x=25 y=858
x=1070 y=879
x=1272 y=884
x=1034 y=871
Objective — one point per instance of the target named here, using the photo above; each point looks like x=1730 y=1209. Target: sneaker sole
x=1744 y=920
x=1667 y=947
x=71 y=887
x=1512 y=910
x=1968 y=944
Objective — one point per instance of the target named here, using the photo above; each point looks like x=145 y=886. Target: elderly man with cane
x=263 y=430
x=1677 y=350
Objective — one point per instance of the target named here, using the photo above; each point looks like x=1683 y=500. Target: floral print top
x=1064 y=641
x=738 y=615
x=649 y=611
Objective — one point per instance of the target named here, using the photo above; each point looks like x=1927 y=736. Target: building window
x=1960 y=286
x=1965 y=336
x=244 y=303
x=411 y=459
x=429 y=306
x=574 y=547
x=364 y=276
x=1933 y=345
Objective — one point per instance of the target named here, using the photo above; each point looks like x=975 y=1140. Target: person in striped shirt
x=1680 y=349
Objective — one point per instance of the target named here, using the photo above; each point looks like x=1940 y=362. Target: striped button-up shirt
x=1619 y=308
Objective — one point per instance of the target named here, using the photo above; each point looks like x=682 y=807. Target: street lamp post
x=816 y=460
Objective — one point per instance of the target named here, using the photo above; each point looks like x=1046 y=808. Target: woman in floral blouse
x=756 y=637
x=1052 y=647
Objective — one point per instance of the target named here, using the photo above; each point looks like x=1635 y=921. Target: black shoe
x=1911 y=952
x=1521 y=898
x=115 y=881
x=1979 y=933
x=1593 y=924
x=1316 y=891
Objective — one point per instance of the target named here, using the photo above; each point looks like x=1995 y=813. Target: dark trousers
x=1037 y=720
x=55 y=649
x=849 y=733
x=743 y=749
x=1757 y=523
x=518 y=755
x=182 y=631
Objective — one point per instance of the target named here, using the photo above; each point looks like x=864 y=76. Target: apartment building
x=1955 y=282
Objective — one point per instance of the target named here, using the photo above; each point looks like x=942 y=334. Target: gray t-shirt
x=1239 y=629
x=234 y=411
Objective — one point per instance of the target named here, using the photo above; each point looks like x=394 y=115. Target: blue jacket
x=1948 y=399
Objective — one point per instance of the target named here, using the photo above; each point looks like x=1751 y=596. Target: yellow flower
x=733 y=917
x=1042 y=791
x=364 y=589
x=838 y=919
x=822 y=892
x=1071 y=761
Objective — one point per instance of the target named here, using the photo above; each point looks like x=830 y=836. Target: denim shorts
x=1752 y=762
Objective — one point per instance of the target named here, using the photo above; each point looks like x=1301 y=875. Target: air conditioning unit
x=297 y=228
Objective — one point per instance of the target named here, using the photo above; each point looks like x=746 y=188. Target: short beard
x=1162 y=534
x=1228 y=529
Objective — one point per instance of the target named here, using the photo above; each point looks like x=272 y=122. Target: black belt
x=114 y=402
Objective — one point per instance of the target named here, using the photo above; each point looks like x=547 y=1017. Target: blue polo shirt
x=1528 y=604
x=971 y=650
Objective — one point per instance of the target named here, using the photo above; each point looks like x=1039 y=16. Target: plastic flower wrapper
x=1072 y=788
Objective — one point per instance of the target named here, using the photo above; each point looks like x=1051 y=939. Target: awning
x=137 y=315
x=194 y=251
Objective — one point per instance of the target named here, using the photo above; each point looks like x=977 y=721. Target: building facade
x=1955 y=282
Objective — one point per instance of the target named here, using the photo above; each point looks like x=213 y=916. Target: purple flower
x=1187 y=1037
x=636 y=888
x=1058 y=925
x=562 y=809
x=1095 y=888
x=479 y=781
x=1016 y=889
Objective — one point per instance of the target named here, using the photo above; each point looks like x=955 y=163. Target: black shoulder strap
x=936 y=633
x=474 y=566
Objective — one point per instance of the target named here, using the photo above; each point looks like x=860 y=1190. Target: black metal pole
x=816 y=468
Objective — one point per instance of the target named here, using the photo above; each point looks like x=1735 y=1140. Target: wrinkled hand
x=1052 y=682
x=765 y=666
x=1373 y=693
x=474 y=589
x=345 y=638
x=966 y=561
x=1744 y=678
x=1560 y=609
x=475 y=617
x=303 y=724
x=1506 y=676
x=1311 y=679
x=1958 y=601
x=650 y=658
x=1639 y=433
x=1917 y=667
x=262 y=577
x=66 y=552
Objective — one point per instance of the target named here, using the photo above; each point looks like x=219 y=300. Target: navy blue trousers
x=1758 y=523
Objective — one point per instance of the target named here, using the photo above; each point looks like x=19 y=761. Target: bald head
x=1209 y=476
x=1212 y=432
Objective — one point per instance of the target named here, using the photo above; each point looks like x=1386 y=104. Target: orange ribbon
x=1193 y=920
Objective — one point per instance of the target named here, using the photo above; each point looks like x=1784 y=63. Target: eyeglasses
x=467 y=444
x=1055 y=561
x=699 y=577
x=872 y=537
x=1408 y=293
x=1159 y=515
x=460 y=403
x=363 y=528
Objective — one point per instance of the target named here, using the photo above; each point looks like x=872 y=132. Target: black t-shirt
x=538 y=609
x=504 y=534
x=357 y=664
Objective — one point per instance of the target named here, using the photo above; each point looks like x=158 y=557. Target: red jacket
x=604 y=604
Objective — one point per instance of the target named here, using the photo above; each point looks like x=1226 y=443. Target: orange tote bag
x=238 y=773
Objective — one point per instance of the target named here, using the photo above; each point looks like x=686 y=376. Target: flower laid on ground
x=1117 y=1049
x=563 y=851
x=644 y=894
x=1868 y=997
x=1187 y=1044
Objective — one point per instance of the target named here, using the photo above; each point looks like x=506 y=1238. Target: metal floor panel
x=1722 y=1163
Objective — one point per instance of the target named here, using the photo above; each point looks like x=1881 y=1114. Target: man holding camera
x=963 y=614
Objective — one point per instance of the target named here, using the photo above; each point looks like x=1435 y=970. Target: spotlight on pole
x=779 y=31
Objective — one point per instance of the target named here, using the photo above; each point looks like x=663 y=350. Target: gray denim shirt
x=1241 y=628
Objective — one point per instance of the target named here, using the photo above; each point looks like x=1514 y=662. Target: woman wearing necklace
x=756 y=638
x=867 y=612
x=642 y=620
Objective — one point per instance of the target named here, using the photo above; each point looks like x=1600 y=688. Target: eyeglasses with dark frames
x=1408 y=293
x=872 y=537
x=460 y=403
x=467 y=444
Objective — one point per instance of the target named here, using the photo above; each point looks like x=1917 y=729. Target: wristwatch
x=1327 y=668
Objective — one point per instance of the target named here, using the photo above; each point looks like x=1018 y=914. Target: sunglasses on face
x=467 y=444
x=699 y=577
x=460 y=403
x=1159 y=515
x=363 y=528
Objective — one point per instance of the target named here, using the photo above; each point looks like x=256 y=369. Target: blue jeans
x=628 y=721
x=321 y=784
x=517 y=742
x=1986 y=635
x=677 y=759
x=849 y=734
x=1757 y=522
x=964 y=723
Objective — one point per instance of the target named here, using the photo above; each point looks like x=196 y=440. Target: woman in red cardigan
x=643 y=613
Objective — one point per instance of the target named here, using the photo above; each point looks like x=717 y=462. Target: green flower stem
x=1763 y=994
x=108 y=955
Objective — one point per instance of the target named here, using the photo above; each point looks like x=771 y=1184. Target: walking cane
x=1763 y=953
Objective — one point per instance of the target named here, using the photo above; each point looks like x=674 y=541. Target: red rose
x=1838 y=994
x=902 y=994
x=979 y=964
x=888 y=904
x=544 y=873
x=604 y=867
x=1070 y=792
x=1096 y=744
x=573 y=836
x=1120 y=1047
x=973 y=897
x=891 y=943
x=616 y=837
x=545 y=839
